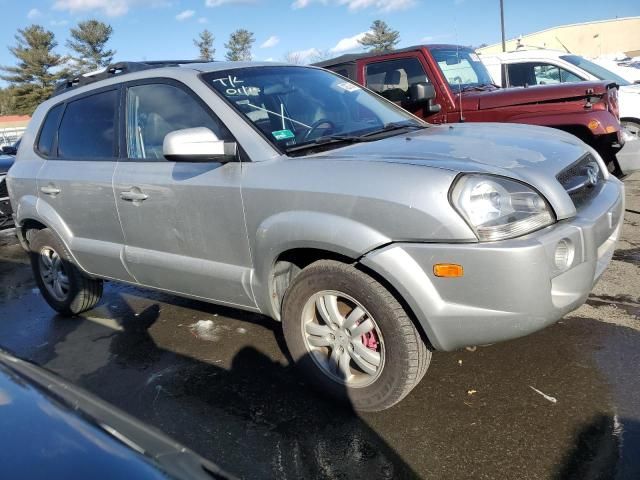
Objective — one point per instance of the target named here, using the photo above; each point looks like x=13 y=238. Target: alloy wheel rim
x=343 y=339
x=53 y=273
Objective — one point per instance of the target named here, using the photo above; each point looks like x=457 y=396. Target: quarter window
x=87 y=130
x=392 y=79
x=49 y=129
x=154 y=110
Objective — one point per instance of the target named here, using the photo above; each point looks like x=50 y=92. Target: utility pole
x=504 y=42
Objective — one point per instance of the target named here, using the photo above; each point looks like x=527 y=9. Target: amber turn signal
x=448 y=270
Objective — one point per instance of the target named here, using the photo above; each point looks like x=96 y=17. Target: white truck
x=531 y=67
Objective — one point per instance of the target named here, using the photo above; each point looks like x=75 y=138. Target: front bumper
x=510 y=288
x=629 y=156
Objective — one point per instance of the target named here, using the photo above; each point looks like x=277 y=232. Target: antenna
x=455 y=33
x=563 y=45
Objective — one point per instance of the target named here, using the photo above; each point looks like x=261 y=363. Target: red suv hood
x=506 y=97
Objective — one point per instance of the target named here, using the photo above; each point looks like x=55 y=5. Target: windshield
x=594 y=69
x=296 y=106
x=462 y=68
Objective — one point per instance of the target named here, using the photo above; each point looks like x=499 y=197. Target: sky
x=165 y=29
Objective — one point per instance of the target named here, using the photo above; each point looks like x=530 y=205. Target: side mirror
x=197 y=145
x=10 y=150
x=423 y=93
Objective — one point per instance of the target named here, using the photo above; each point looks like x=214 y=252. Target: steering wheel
x=317 y=124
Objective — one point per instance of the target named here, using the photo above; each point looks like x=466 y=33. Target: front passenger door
x=183 y=222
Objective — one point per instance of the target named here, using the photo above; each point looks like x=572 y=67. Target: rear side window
x=88 y=129
x=48 y=131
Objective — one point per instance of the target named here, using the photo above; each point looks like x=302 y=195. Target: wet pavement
x=563 y=403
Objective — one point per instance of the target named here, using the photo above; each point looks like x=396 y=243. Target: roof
x=528 y=53
x=353 y=57
x=123 y=68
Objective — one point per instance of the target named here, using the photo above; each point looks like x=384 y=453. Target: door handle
x=50 y=190
x=133 y=195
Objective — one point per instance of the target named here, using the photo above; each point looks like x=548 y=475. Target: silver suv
x=291 y=191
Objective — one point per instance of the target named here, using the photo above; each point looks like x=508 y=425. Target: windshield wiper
x=326 y=140
x=390 y=127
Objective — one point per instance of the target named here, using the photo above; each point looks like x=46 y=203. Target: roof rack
x=114 y=69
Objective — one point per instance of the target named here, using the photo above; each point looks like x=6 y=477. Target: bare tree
x=295 y=58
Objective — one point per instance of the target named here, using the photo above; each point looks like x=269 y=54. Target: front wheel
x=631 y=126
x=351 y=338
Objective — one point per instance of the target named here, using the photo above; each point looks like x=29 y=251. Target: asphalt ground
x=563 y=403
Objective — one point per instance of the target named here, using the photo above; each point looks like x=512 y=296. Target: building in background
x=12 y=127
x=591 y=39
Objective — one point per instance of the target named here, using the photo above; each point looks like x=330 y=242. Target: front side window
x=294 y=106
x=462 y=68
x=392 y=78
x=154 y=110
x=537 y=73
x=87 y=130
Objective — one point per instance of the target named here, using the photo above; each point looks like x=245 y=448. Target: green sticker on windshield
x=282 y=134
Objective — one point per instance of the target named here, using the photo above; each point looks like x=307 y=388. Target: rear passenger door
x=75 y=191
x=186 y=233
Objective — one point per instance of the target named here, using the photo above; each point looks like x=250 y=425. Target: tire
x=75 y=292
x=399 y=356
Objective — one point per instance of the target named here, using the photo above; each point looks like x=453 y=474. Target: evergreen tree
x=204 y=42
x=88 y=41
x=381 y=38
x=7 y=101
x=239 y=46
x=34 y=77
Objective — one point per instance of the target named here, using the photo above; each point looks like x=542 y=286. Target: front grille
x=582 y=180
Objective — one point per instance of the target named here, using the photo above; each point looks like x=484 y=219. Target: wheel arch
x=39 y=215
x=291 y=262
x=630 y=119
x=294 y=239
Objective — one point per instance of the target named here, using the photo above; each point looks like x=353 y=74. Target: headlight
x=497 y=208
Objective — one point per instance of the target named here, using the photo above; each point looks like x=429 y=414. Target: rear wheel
x=351 y=338
x=65 y=288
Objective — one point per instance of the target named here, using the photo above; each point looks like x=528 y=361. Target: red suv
x=449 y=83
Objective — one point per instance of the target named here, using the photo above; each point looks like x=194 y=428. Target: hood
x=633 y=89
x=534 y=155
x=505 y=97
x=5 y=163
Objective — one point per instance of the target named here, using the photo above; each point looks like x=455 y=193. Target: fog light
x=564 y=254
